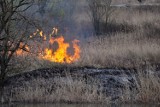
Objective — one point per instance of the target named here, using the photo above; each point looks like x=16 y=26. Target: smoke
x=69 y=16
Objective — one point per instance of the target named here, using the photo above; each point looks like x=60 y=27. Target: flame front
x=61 y=55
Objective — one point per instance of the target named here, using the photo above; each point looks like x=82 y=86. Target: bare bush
x=14 y=32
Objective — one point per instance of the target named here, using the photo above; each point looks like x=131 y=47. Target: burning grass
x=129 y=42
x=116 y=51
x=61 y=55
x=47 y=49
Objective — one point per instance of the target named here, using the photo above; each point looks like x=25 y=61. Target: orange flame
x=61 y=55
x=54 y=32
x=19 y=52
x=22 y=49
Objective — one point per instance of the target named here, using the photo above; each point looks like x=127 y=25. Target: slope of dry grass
x=59 y=89
x=120 y=51
x=132 y=40
x=77 y=90
x=148 y=89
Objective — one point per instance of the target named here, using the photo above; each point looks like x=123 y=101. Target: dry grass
x=136 y=47
x=59 y=89
x=120 y=51
x=132 y=40
x=148 y=89
x=78 y=90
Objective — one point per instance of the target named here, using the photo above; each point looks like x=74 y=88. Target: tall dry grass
x=131 y=40
x=79 y=90
x=148 y=88
x=60 y=89
x=120 y=51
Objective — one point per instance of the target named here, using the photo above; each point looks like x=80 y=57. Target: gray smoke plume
x=70 y=16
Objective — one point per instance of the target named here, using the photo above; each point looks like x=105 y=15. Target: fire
x=19 y=52
x=54 y=32
x=22 y=48
x=60 y=55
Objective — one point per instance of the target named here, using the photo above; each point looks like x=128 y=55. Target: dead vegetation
x=131 y=40
x=76 y=89
x=58 y=89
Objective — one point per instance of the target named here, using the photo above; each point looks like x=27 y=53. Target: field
x=129 y=41
x=132 y=40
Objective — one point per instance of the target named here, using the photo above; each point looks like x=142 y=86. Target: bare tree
x=13 y=32
x=100 y=11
